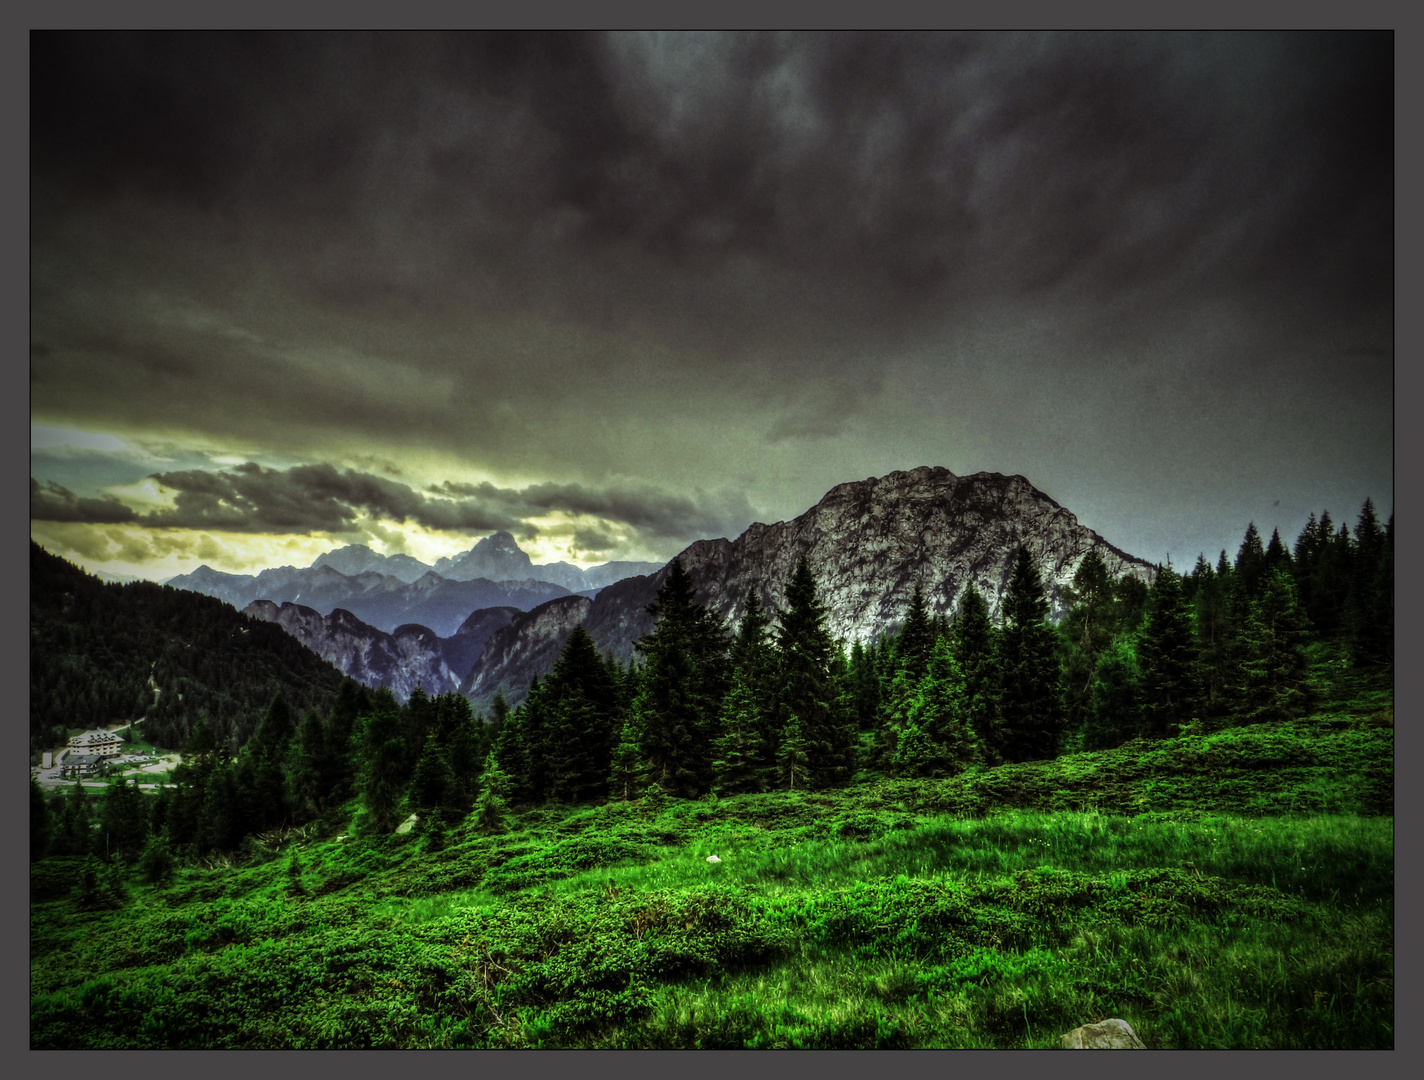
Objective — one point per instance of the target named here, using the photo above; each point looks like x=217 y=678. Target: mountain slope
x=869 y=543
x=104 y=653
x=413 y=656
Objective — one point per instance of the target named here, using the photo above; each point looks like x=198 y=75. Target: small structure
x=96 y=744
x=84 y=765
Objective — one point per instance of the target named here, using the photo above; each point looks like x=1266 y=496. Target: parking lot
x=51 y=778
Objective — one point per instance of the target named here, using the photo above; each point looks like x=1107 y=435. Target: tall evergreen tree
x=468 y=740
x=1032 y=704
x=974 y=642
x=1170 y=694
x=807 y=688
x=917 y=638
x=353 y=701
x=1086 y=630
x=580 y=700
x=1369 y=608
x=123 y=821
x=683 y=682
x=432 y=786
x=1114 y=712
x=792 y=759
x=939 y=739
x=865 y=687
x=219 y=816
x=737 y=753
x=1250 y=563
x=1277 y=557
x=627 y=772
x=1274 y=669
x=310 y=772
x=494 y=790
x=380 y=753
x=1215 y=636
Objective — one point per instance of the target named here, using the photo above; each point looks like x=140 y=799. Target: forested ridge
x=98 y=652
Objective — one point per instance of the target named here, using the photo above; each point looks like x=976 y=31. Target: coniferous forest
x=1174 y=806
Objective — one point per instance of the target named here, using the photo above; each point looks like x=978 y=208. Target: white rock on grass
x=713 y=858
x=1109 y=1035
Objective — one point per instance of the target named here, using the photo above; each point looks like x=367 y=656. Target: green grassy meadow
x=1227 y=889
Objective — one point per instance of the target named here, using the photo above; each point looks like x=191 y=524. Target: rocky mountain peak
x=868 y=543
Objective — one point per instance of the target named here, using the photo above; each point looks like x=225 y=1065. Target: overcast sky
x=616 y=294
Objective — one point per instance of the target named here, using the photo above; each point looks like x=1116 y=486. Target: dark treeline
x=169 y=658
x=292 y=771
x=777 y=703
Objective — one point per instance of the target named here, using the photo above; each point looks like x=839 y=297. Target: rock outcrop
x=529 y=645
x=413 y=656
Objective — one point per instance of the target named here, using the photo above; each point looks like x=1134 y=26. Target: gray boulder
x=1108 y=1035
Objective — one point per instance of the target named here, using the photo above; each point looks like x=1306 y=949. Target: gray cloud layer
x=310 y=499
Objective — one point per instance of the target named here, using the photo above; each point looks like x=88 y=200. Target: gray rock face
x=412 y=656
x=1108 y=1035
x=529 y=645
x=868 y=544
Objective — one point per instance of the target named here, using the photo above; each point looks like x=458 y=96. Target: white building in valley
x=95 y=744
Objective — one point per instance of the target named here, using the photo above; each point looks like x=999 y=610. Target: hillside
x=101 y=652
x=1218 y=890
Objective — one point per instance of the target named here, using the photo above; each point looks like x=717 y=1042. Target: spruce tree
x=580 y=700
x=78 y=821
x=353 y=701
x=1215 y=637
x=468 y=741
x=1250 y=562
x=218 y=827
x=1032 y=706
x=917 y=637
x=938 y=740
x=793 y=760
x=627 y=773
x=1114 y=713
x=123 y=822
x=807 y=688
x=737 y=753
x=1086 y=630
x=491 y=804
x=682 y=685
x=1170 y=694
x=1274 y=668
x=380 y=752
x=157 y=863
x=432 y=786
x=974 y=642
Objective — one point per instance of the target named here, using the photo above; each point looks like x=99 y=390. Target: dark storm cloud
x=883 y=171
x=53 y=502
x=761 y=263
x=644 y=508
x=306 y=499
